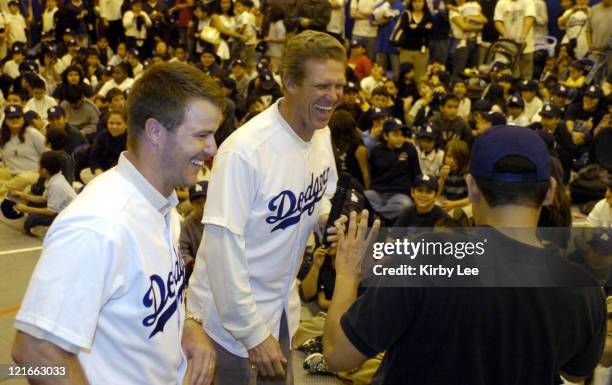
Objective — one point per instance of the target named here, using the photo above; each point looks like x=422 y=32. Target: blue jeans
x=438 y=50
x=388 y=205
x=467 y=56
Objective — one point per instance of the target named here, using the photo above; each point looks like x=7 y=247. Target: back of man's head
x=511 y=166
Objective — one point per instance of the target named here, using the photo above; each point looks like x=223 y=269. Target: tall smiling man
x=270 y=187
x=106 y=299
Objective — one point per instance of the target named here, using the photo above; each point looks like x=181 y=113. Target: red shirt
x=185 y=14
x=362 y=66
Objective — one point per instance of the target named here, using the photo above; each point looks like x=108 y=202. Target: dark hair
x=74 y=93
x=460 y=151
x=5 y=133
x=343 y=130
x=380 y=90
x=497 y=193
x=163 y=93
x=23 y=94
x=38 y=83
x=426 y=11
x=275 y=12
x=57 y=138
x=71 y=68
x=219 y=11
x=448 y=97
x=110 y=95
x=203 y=7
x=51 y=161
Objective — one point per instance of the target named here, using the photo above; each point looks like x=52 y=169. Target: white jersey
x=336 y=18
x=110 y=282
x=601 y=215
x=532 y=108
x=363 y=27
x=268 y=188
x=512 y=14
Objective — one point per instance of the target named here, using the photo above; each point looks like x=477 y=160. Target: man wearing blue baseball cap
x=468 y=335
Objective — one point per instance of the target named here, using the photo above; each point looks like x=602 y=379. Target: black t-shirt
x=347 y=162
x=577 y=113
x=480 y=335
x=411 y=218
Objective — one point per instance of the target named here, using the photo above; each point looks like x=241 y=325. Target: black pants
x=33 y=220
x=115 y=33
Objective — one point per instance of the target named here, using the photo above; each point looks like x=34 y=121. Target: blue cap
x=561 y=90
x=499 y=142
x=13 y=112
x=499 y=66
x=428 y=131
x=377 y=112
x=495 y=118
x=427 y=181
x=351 y=86
x=393 y=124
x=267 y=79
x=55 y=112
x=550 y=110
x=198 y=190
x=356 y=42
x=529 y=85
x=515 y=101
x=594 y=91
x=262 y=66
x=238 y=62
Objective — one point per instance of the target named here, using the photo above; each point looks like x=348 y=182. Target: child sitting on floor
x=58 y=193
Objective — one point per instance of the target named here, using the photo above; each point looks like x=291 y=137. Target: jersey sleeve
x=72 y=281
x=530 y=9
x=222 y=252
x=499 y=12
x=231 y=192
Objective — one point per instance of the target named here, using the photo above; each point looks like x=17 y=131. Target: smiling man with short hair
x=270 y=187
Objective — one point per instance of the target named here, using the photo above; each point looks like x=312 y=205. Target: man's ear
x=153 y=132
x=473 y=193
x=290 y=84
x=550 y=194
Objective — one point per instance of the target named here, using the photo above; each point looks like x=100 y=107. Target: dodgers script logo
x=288 y=208
x=164 y=296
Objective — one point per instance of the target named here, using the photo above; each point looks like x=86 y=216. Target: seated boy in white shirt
x=601 y=215
x=57 y=195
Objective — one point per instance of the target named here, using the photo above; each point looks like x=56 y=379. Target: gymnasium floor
x=18 y=256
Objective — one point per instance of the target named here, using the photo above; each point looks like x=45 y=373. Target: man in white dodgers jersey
x=106 y=299
x=270 y=188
